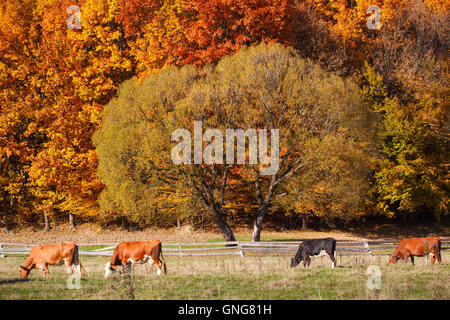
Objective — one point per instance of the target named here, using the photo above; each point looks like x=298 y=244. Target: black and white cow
x=315 y=247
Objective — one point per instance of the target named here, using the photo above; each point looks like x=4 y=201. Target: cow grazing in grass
x=315 y=248
x=126 y=254
x=419 y=247
x=42 y=256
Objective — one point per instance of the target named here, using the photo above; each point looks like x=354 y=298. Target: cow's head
x=298 y=257
x=24 y=272
x=109 y=270
x=393 y=259
x=294 y=263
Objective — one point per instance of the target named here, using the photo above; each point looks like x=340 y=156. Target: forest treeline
x=89 y=101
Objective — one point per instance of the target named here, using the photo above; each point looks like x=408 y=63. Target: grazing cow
x=419 y=247
x=131 y=252
x=42 y=256
x=315 y=247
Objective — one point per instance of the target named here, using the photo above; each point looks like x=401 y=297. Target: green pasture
x=235 y=277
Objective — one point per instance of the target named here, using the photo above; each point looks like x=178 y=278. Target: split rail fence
x=239 y=248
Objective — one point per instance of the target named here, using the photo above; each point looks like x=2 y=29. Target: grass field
x=231 y=277
x=235 y=278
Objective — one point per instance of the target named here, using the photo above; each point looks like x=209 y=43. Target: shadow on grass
x=11 y=281
x=343 y=267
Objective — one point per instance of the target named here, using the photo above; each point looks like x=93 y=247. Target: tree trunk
x=5 y=213
x=257 y=225
x=263 y=206
x=71 y=224
x=305 y=220
x=47 y=222
x=405 y=219
x=223 y=226
x=124 y=223
x=215 y=203
x=227 y=233
x=437 y=215
x=256 y=235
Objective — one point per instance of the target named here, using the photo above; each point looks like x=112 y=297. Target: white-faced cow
x=315 y=247
x=42 y=256
x=126 y=254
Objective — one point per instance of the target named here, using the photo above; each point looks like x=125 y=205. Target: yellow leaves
x=98 y=11
x=438 y=5
x=55 y=82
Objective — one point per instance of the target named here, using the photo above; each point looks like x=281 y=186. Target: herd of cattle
x=126 y=254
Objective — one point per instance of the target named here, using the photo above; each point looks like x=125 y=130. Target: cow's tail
x=439 y=249
x=76 y=261
x=333 y=248
x=161 y=258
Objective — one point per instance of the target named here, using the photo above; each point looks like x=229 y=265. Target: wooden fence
x=239 y=248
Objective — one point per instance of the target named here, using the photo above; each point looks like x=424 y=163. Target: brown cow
x=131 y=252
x=408 y=248
x=52 y=254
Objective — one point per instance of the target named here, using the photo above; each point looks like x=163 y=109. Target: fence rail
x=241 y=248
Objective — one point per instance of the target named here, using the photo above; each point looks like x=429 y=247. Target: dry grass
x=235 y=277
x=89 y=233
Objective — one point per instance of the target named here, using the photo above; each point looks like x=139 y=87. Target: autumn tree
x=271 y=87
x=79 y=76
x=177 y=32
x=260 y=88
x=411 y=176
x=407 y=86
x=135 y=156
x=20 y=99
x=55 y=82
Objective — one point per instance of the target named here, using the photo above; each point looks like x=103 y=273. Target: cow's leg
x=159 y=265
x=307 y=261
x=69 y=266
x=150 y=262
x=42 y=265
x=333 y=260
x=438 y=257
x=406 y=257
x=39 y=266
x=78 y=268
x=410 y=256
x=124 y=267
x=46 y=271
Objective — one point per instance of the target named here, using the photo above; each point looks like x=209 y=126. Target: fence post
x=240 y=249
x=181 y=250
x=366 y=246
